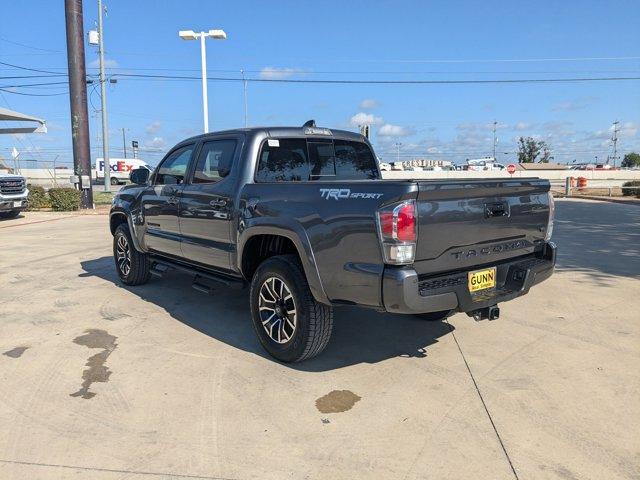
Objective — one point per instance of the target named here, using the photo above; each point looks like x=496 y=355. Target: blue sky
x=355 y=40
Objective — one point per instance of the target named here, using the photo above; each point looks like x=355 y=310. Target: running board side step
x=202 y=281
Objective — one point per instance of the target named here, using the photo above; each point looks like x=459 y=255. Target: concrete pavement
x=160 y=381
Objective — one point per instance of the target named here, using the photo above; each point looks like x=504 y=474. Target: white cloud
x=280 y=73
x=368 y=103
x=628 y=129
x=388 y=130
x=522 y=126
x=575 y=104
x=153 y=127
x=362 y=118
x=108 y=63
x=157 y=143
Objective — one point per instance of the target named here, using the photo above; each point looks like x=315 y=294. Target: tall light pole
x=495 y=140
x=244 y=92
x=191 y=35
x=103 y=101
x=398 y=145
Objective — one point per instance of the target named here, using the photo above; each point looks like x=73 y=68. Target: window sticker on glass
x=272 y=142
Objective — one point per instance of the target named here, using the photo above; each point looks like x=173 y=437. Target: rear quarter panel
x=341 y=229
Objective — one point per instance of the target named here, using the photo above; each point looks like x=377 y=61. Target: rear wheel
x=132 y=266
x=114 y=181
x=291 y=325
x=434 y=316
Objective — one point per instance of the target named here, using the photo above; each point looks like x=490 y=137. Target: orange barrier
x=582 y=182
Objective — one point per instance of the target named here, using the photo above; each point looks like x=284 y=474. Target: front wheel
x=291 y=325
x=10 y=214
x=114 y=181
x=132 y=266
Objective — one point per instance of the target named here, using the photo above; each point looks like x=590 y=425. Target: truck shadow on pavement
x=359 y=335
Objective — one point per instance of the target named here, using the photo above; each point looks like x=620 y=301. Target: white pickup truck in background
x=13 y=195
x=120 y=169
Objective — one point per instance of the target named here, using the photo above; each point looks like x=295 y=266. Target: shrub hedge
x=628 y=192
x=37 y=197
x=64 y=199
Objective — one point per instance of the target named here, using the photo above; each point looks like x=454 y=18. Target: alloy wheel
x=277 y=310
x=123 y=255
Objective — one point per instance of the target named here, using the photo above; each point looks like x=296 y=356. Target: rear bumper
x=404 y=292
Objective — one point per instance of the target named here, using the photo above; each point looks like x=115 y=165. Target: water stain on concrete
x=15 y=352
x=97 y=371
x=337 y=401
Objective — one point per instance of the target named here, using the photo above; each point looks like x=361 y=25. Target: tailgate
x=466 y=223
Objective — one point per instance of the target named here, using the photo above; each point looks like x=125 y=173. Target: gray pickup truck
x=13 y=195
x=302 y=217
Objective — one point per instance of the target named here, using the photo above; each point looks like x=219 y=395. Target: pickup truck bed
x=311 y=201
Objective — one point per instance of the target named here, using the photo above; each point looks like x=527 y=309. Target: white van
x=120 y=168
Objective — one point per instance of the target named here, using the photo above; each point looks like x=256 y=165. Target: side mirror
x=224 y=167
x=139 y=176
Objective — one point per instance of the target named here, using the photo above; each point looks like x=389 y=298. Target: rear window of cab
x=299 y=159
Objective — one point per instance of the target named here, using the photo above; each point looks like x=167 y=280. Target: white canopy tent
x=10 y=115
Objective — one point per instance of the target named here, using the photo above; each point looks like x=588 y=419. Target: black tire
x=10 y=214
x=137 y=272
x=114 y=181
x=313 y=321
x=434 y=316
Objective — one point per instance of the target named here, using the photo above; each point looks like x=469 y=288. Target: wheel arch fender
x=117 y=216
x=298 y=236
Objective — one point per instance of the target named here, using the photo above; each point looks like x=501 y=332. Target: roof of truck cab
x=279 y=132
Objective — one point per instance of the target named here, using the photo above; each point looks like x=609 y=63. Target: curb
x=601 y=199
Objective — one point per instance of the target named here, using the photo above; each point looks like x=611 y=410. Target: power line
x=377 y=82
x=33 y=94
x=29 y=46
x=27 y=68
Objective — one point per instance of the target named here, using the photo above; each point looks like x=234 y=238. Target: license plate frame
x=481 y=280
x=17 y=203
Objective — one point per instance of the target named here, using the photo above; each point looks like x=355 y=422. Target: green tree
x=529 y=149
x=631 y=160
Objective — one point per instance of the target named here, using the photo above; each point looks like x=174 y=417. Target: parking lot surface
x=160 y=381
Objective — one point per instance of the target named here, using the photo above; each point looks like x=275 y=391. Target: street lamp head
x=218 y=34
x=187 y=34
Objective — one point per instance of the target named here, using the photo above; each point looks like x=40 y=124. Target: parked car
x=13 y=195
x=302 y=218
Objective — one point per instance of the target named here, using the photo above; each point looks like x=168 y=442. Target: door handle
x=218 y=203
x=500 y=209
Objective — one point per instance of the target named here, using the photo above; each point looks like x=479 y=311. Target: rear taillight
x=552 y=214
x=398 y=232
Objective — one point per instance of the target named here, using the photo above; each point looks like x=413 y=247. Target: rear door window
x=354 y=161
x=283 y=160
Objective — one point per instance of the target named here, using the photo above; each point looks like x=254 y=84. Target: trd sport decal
x=342 y=193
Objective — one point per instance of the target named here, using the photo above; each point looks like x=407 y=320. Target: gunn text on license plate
x=482 y=279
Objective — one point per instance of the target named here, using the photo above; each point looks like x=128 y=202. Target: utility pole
x=398 y=145
x=78 y=99
x=495 y=124
x=244 y=91
x=124 y=143
x=103 y=102
x=615 y=142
